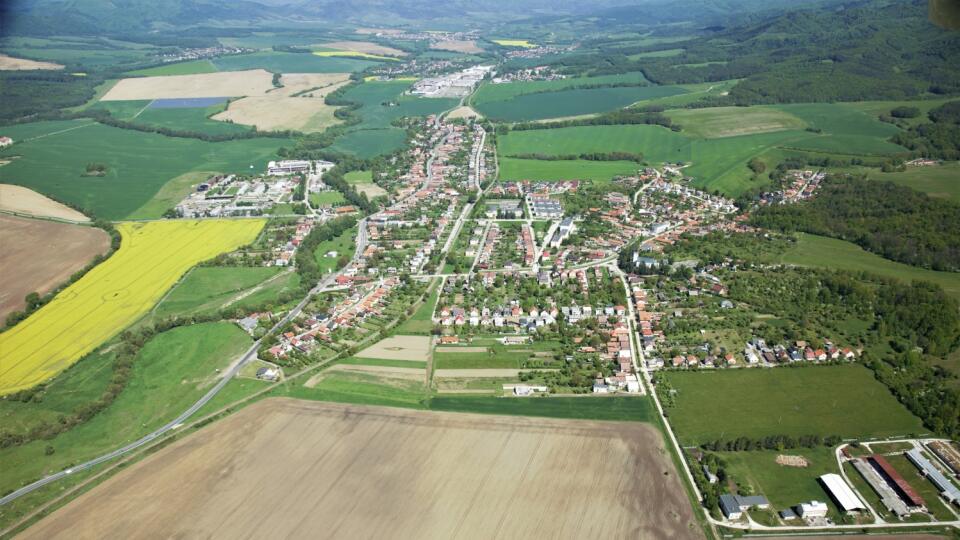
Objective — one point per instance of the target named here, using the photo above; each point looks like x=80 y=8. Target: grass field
x=326 y=198
x=730 y=121
x=180 y=68
x=877 y=108
x=626 y=409
x=171 y=372
x=834 y=400
x=359 y=177
x=138 y=164
x=182 y=119
x=533 y=169
x=284 y=62
x=152 y=257
x=570 y=102
x=491 y=93
x=361 y=388
x=355 y=54
x=421 y=322
x=846 y=130
x=941 y=181
x=820 y=251
x=657 y=144
x=207 y=289
x=170 y=194
x=342 y=244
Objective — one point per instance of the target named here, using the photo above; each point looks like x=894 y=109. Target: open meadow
x=151 y=258
x=323 y=465
x=730 y=121
x=830 y=400
x=208 y=289
x=941 y=181
x=38 y=255
x=53 y=157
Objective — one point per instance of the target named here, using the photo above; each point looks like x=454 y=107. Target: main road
x=230 y=373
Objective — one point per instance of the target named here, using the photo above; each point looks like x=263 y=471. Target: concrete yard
x=295 y=469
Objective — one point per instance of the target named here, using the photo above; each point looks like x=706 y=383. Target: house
x=813 y=509
x=268 y=374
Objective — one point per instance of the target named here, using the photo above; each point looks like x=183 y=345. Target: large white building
x=813 y=509
x=289 y=166
x=846 y=499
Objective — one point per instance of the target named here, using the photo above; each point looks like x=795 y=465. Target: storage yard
x=365 y=472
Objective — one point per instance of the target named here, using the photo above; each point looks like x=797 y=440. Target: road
x=228 y=375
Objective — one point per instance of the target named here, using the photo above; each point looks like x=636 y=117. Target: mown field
x=138 y=164
x=152 y=257
x=832 y=400
x=284 y=62
x=171 y=372
x=820 y=251
x=716 y=122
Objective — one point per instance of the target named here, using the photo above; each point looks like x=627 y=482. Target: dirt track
x=294 y=469
x=37 y=255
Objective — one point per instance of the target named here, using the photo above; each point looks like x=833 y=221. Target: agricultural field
x=284 y=62
x=170 y=194
x=845 y=130
x=74 y=50
x=9 y=63
x=715 y=122
x=192 y=67
x=521 y=43
x=207 y=289
x=370 y=383
x=656 y=143
x=416 y=452
x=39 y=255
x=458 y=46
x=222 y=84
x=362 y=47
x=190 y=116
x=492 y=93
x=941 y=181
x=832 y=400
x=26 y=202
x=53 y=156
x=298 y=105
x=170 y=373
x=398 y=347
x=569 y=102
x=152 y=257
x=823 y=252
x=535 y=169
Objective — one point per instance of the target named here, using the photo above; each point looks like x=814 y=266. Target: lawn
x=715 y=122
x=832 y=400
x=326 y=198
x=820 y=251
x=534 y=169
x=421 y=323
x=171 y=372
x=359 y=177
x=180 y=68
x=138 y=164
x=342 y=244
x=207 y=289
x=617 y=408
x=284 y=62
x=783 y=486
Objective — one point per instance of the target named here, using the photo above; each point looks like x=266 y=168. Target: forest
x=893 y=221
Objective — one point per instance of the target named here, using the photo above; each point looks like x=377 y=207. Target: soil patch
x=399 y=348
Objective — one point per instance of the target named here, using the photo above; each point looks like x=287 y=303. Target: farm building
x=948 y=491
x=947 y=453
x=813 y=509
x=288 y=167
x=733 y=506
x=900 y=485
x=838 y=489
x=888 y=496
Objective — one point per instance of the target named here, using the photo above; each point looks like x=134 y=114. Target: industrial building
x=948 y=490
x=733 y=506
x=888 y=496
x=841 y=493
x=544 y=207
x=289 y=166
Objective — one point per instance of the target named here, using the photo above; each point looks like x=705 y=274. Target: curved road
x=235 y=368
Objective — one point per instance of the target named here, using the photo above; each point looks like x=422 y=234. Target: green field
x=731 y=121
x=657 y=54
x=195 y=119
x=420 y=323
x=85 y=51
x=342 y=244
x=169 y=195
x=354 y=361
x=138 y=163
x=617 y=408
x=877 y=108
x=171 y=372
x=833 y=400
x=941 y=181
x=534 y=169
x=326 y=198
x=359 y=177
x=820 y=251
x=846 y=130
x=284 y=62
x=656 y=143
x=572 y=102
x=207 y=289
x=362 y=388
x=180 y=68
x=490 y=93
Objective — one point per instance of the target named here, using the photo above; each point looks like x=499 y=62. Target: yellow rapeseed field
x=151 y=258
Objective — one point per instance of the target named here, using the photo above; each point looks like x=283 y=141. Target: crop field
x=150 y=260
x=522 y=43
x=823 y=252
x=73 y=50
x=489 y=93
x=846 y=130
x=415 y=348
x=221 y=84
x=170 y=373
x=570 y=102
x=304 y=461
x=138 y=164
x=354 y=54
x=207 y=289
x=38 y=255
x=654 y=142
x=535 y=169
x=23 y=201
x=363 y=47
x=365 y=385
x=941 y=181
x=169 y=195
x=298 y=105
x=189 y=119
x=284 y=62
x=459 y=46
x=9 y=63
x=730 y=121
x=192 y=67
x=832 y=400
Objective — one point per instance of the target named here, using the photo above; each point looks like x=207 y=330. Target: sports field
x=138 y=163
x=825 y=400
x=151 y=258
x=321 y=466
x=823 y=252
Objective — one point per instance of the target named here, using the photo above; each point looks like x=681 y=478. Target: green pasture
x=716 y=122
x=138 y=163
x=207 y=289
x=342 y=244
x=535 y=169
x=180 y=68
x=824 y=400
x=284 y=62
x=615 y=408
x=570 y=102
